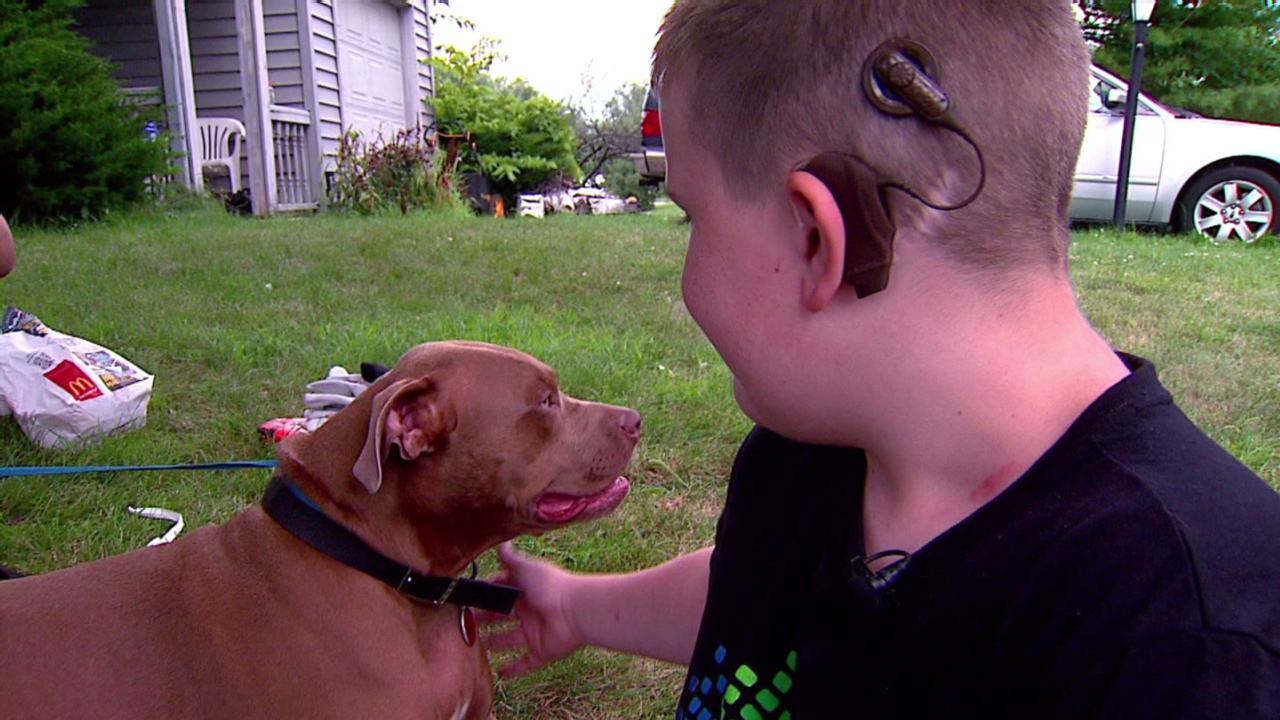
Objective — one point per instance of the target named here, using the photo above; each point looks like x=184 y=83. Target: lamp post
x=1142 y=10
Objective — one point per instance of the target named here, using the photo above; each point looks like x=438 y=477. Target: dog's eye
x=550 y=400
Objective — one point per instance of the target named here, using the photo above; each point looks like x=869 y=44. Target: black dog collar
x=287 y=505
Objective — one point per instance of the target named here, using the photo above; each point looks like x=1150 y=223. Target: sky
x=563 y=46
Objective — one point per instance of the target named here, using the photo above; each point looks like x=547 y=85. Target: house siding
x=215 y=58
x=324 y=52
x=124 y=32
x=215 y=69
x=426 y=75
x=284 y=52
x=324 y=46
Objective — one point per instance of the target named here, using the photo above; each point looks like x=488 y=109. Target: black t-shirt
x=1132 y=572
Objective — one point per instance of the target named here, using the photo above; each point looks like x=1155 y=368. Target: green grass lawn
x=234 y=316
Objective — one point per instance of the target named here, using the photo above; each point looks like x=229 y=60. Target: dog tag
x=467 y=621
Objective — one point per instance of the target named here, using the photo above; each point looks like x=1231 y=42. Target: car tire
x=1231 y=204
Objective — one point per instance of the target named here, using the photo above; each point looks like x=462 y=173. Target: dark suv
x=651 y=161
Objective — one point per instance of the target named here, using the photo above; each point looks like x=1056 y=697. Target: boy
x=8 y=253
x=965 y=503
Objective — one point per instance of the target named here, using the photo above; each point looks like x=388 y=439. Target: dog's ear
x=410 y=415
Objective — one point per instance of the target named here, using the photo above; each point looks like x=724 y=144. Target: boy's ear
x=819 y=219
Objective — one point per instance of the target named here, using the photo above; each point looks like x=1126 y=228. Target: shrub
x=520 y=138
x=1256 y=103
x=73 y=146
x=622 y=179
x=405 y=172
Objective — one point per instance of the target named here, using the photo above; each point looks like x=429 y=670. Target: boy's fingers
x=508 y=555
x=488 y=617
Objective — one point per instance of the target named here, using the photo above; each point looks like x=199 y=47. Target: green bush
x=72 y=146
x=520 y=139
x=405 y=172
x=1257 y=103
x=622 y=179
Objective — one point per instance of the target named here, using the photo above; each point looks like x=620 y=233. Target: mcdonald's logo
x=81 y=387
x=68 y=376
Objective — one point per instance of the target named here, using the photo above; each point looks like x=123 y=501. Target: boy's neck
x=990 y=396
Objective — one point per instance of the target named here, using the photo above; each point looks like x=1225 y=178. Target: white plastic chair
x=220 y=146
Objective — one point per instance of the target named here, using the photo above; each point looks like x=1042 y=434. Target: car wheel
x=1232 y=204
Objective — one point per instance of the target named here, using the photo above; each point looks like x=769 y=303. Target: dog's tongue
x=556 y=504
x=560 y=508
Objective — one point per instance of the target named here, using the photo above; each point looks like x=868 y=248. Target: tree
x=72 y=145
x=1217 y=57
x=612 y=133
x=519 y=137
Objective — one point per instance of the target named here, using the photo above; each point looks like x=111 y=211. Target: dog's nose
x=630 y=422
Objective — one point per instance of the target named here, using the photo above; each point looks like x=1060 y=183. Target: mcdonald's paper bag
x=63 y=390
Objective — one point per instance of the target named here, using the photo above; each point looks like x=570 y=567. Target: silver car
x=1217 y=177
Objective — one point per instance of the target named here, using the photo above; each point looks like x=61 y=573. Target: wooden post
x=257 y=105
x=179 y=88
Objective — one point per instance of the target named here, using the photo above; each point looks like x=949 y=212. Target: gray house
x=297 y=74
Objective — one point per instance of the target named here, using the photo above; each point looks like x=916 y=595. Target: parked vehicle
x=651 y=161
x=1219 y=178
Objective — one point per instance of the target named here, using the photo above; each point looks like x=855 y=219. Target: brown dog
x=460 y=447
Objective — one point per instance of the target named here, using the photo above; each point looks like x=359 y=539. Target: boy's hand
x=544 y=631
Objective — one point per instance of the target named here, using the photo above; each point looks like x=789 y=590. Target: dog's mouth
x=557 y=508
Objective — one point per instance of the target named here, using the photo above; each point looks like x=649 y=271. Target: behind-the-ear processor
x=900 y=78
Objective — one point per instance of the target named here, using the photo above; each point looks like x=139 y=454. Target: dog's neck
x=321 y=465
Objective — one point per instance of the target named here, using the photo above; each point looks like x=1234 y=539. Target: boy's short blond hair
x=773 y=83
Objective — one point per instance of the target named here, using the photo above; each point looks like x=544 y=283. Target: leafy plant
x=405 y=172
x=73 y=145
x=520 y=138
x=1255 y=103
x=622 y=179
